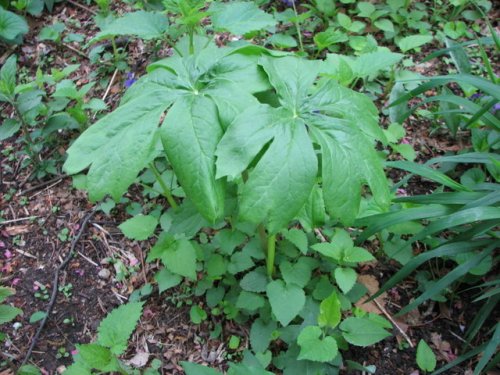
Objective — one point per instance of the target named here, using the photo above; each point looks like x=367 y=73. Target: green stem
x=115 y=50
x=27 y=134
x=263 y=237
x=297 y=27
x=166 y=190
x=271 y=251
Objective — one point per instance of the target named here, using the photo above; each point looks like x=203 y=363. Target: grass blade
x=489 y=351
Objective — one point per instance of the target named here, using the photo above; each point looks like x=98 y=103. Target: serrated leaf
x=12 y=26
x=298 y=273
x=413 y=41
x=190 y=134
x=261 y=334
x=345 y=278
x=139 y=227
x=95 y=356
x=329 y=311
x=385 y=25
x=254 y=281
x=356 y=255
x=286 y=300
x=249 y=301
x=166 y=280
x=8 y=313
x=141 y=24
x=115 y=330
x=8 y=78
x=180 y=258
x=315 y=348
x=426 y=359
x=240 y=17
x=362 y=332
x=298 y=238
x=6 y=292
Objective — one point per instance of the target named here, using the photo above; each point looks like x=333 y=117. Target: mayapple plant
x=259 y=139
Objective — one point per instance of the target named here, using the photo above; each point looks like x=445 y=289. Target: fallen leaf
x=139 y=360
x=373 y=286
x=16 y=229
x=443 y=347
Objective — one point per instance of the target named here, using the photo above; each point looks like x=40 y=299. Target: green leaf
x=8 y=313
x=362 y=332
x=345 y=278
x=166 y=279
x=261 y=335
x=139 y=227
x=298 y=273
x=115 y=330
x=314 y=347
x=122 y=143
x=385 y=25
x=6 y=292
x=356 y=255
x=286 y=300
x=179 y=256
x=249 y=301
x=240 y=17
x=227 y=240
x=195 y=369
x=329 y=312
x=255 y=281
x=95 y=356
x=426 y=359
x=37 y=316
x=197 y=314
x=141 y=24
x=28 y=370
x=8 y=77
x=190 y=134
x=413 y=41
x=298 y=238
x=282 y=41
x=12 y=26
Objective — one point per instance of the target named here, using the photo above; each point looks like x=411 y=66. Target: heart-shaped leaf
x=314 y=348
x=286 y=300
x=345 y=278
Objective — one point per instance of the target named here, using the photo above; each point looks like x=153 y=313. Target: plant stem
x=263 y=237
x=271 y=251
x=115 y=50
x=27 y=134
x=297 y=26
x=166 y=190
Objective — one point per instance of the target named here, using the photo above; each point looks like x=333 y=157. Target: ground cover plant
x=271 y=187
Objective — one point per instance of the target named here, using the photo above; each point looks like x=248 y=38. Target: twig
x=384 y=311
x=77 y=51
x=107 y=90
x=17 y=220
x=55 y=284
x=25 y=253
x=41 y=185
x=320 y=235
x=82 y=6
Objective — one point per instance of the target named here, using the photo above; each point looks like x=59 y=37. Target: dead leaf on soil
x=373 y=286
x=443 y=347
x=139 y=360
x=15 y=230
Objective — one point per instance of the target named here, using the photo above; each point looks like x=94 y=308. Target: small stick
x=17 y=220
x=77 y=51
x=47 y=188
x=384 y=311
x=82 y=6
x=41 y=185
x=88 y=259
x=320 y=235
x=107 y=89
x=26 y=254
x=55 y=284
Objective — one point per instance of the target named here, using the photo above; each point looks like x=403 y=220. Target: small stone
x=61 y=369
x=104 y=273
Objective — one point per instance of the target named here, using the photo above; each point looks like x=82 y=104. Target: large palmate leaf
x=144 y=25
x=274 y=148
x=240 y=17
x=204 y=94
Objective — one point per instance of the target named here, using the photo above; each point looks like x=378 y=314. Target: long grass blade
x=450 y=249
x=460 y=359
x=469 y=158
x=489 y=351
x=458 y=198
x=481 y=316
x=449 y=278
x=427 y=172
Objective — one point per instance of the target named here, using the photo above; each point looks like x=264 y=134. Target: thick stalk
x=164 y=187
x=191 y=41
x=271 y=251
x=263 y=237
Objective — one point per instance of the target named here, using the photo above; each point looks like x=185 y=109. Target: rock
x=104 y=273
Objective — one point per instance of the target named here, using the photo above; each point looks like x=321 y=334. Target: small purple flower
x=288 y=3
x=130 y=80
x=496 y=108
x=476 y=96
